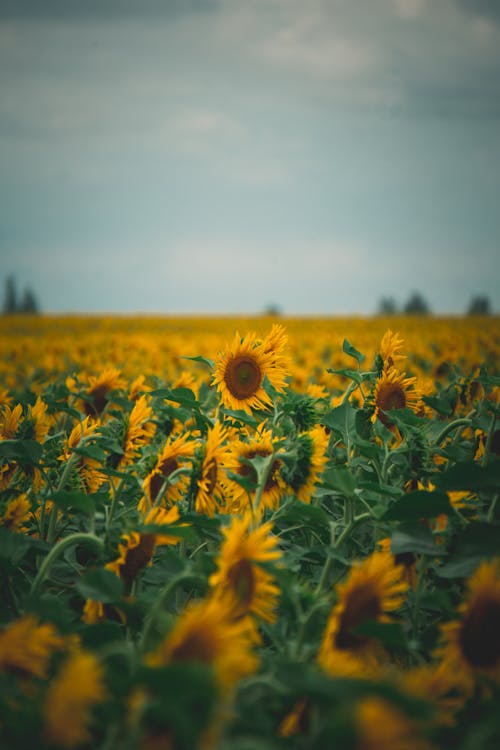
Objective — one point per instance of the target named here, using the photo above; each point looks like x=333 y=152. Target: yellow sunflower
x=262 y=445
x=140 y=430
x=209 y=495
x=389 y=349
x=239 y=579
x=394 y=391
x=138 y=548
x=42 y=422
x=26 y=646
x=379 y=725
x=10 y=421
x=174 y=455
x=88 y=469
x=373 y=587
x=206 y=634
x=16 y=514
x=471 y=645
x=98 y=390
x=75 y=689
x=240 y=371
x=311 y=461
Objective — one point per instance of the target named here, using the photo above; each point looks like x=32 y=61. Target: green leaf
x=469 y=475
x=182 y=396
x=458 y=567
x=311 y=516
x=26 y=452
x=204 y=360
x=340 y=479
x=13 y=547
x=413 y=536
x=101 y=585
x=349 y=349
x=76 y=500
x=341 y=420
x=92 y=451
x=418 y=504
x=240 y=416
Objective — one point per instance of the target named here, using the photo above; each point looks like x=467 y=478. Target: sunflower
x=173 y=456
x=88 y=469
x=16 y=514
x=394 y=391
x=389 y=349
x=239 y=579
x=239 y=453
x=471 y=645
x=379 y=725
x=311 y=460
x=206 y=634
x=10 y=421
x=140 y=430
x=240 y=371
x=99 y=388
x=209 y=495
x=138 y=547
x=373 y=587
x=42 y=422
x=26 y=646
x=77 y=686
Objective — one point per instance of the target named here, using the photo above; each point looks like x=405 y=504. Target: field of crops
x=249 y=534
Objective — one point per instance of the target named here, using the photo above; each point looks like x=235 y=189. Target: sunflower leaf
x=101 y=585
x=418 y=504
x=351 y=350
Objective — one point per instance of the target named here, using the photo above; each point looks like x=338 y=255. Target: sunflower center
x=362 y=605
x=195 y=646
x=167 y=467
x=99 y=401
x=137 y=558
x=479 y=634
x=242 y=377
x=241 y=580
x=392 y=396
x=210 y=476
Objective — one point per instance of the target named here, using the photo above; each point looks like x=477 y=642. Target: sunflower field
x=249 y=534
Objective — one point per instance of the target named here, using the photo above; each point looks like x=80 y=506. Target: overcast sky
x=224 y=155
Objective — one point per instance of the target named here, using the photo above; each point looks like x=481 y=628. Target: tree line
x=416 y=304
x=13 y=303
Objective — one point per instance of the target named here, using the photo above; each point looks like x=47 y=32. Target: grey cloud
x=102 y=10
x=483 y=8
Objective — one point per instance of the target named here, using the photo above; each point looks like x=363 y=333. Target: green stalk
x=489 y=438
x=57 y=550
x=337 y=544
x=160 y=601
x=451 y=426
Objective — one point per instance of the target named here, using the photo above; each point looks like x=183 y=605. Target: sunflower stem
x=166 y=484
x=451 y=426
x=336 y=544
x=51 y=531
x=492 y=508
x=159 y=603
x=57 y=550
x=489 y=438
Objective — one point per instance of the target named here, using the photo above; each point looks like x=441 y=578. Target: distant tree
x=416 y=305
x=29 y=303
x=479 y=305
x=387 y=306
x=10 y=299
x=272 y=310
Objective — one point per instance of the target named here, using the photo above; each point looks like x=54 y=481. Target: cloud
x=102 y=10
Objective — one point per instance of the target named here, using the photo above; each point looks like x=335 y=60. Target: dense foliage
x=286 y=536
